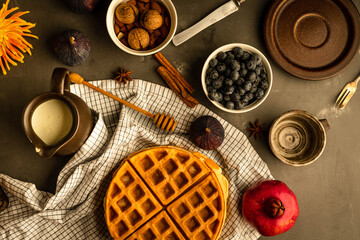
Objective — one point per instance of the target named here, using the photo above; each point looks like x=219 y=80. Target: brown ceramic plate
x=312 y=39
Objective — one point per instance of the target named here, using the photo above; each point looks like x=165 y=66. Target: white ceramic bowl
x=110 y=21
x=250 y=49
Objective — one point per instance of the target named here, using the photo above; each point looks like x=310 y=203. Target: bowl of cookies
x=141 y=27
x=236 y=78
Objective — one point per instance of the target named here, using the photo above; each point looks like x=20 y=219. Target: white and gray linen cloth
x=76 y=211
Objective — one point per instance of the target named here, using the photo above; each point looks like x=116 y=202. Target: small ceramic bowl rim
x=110 y=20
x=248 y=48
x=288 y=161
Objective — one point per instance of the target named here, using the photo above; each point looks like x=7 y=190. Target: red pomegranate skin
x=256 y=211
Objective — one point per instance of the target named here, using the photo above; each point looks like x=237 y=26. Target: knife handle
x=215 y=16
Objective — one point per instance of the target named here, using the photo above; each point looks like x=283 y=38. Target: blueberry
x=258 y=70
x=256 y=58
x=208 y=80
x=234 y=75
x=217 y=83
x=247 y=86
x=228 y=82
x=242 y=65
x=240 y=90
x=243 y=72
x=250 y=96
x=235 y=65
x=264 y=85
x=239 y=81
x=253 y=89
x=259 y=94
x=219 y=97
x=238 y=52
x=210 y=89
x=250 y=65
x=246 y=55
x=228 y=89
x=251 y=76
x=235 y=97
x=213 y=62
x=221 y=78
x=223 y=102
x=239 y=105
x=214 y=74
x=212 y=95
x=227 y=97
x=257 y=81
x=221 y=67
x=228 y=60
x=227 y=72
x=230 y=105
x=245 y=98
x=263 y=76
x=230 y=55
x=221 y=56
x=209 y=70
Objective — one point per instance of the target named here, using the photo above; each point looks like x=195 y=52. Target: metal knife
x=218 y=14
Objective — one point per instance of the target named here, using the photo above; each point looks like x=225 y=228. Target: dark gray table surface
x=328 y=190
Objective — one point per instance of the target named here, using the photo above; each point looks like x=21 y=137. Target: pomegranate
x=270 y=207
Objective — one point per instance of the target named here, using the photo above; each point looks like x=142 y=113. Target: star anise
x=256 y=129
x=123 y=76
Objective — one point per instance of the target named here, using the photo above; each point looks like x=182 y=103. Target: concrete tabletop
x=328 y=190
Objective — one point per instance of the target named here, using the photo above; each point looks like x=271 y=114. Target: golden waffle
x=184 y=192
x=129 y=203
x=200 y=211
x=168 y=171
x=160 y=227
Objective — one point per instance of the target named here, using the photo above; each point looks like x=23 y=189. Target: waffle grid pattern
x=169 y=173
x=130 y=203
x=160 y=227
x=198 y=212
x=75 y=210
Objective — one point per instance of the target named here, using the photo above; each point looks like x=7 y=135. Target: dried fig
x=138 y=38
x=207 y=133
x=126 y=13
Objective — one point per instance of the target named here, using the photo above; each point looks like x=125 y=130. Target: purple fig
x=207 y=133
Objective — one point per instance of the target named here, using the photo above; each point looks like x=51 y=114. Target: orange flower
x=13 y=29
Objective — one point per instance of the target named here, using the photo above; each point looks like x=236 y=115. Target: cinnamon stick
x=178 y=89
x=180 y=80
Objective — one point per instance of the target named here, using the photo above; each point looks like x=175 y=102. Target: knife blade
x=215 y=16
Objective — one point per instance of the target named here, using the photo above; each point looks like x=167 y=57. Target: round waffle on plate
x=166 y=193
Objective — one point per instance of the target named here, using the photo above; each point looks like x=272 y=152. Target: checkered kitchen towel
x=76 y=210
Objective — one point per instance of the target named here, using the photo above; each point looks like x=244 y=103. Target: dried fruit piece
x=207 y=132
x=126 y=13
x=12 y=32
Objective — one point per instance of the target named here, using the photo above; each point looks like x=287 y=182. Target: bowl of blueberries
x=236 y=78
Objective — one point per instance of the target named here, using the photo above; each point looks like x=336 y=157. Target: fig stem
x=72 y=40
x=207 y=130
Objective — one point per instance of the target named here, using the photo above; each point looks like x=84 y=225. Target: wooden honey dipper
x=162 y=121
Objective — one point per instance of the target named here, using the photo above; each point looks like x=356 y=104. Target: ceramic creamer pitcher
x=57 y=122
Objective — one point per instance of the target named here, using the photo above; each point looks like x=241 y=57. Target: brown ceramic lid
x=312 y=39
